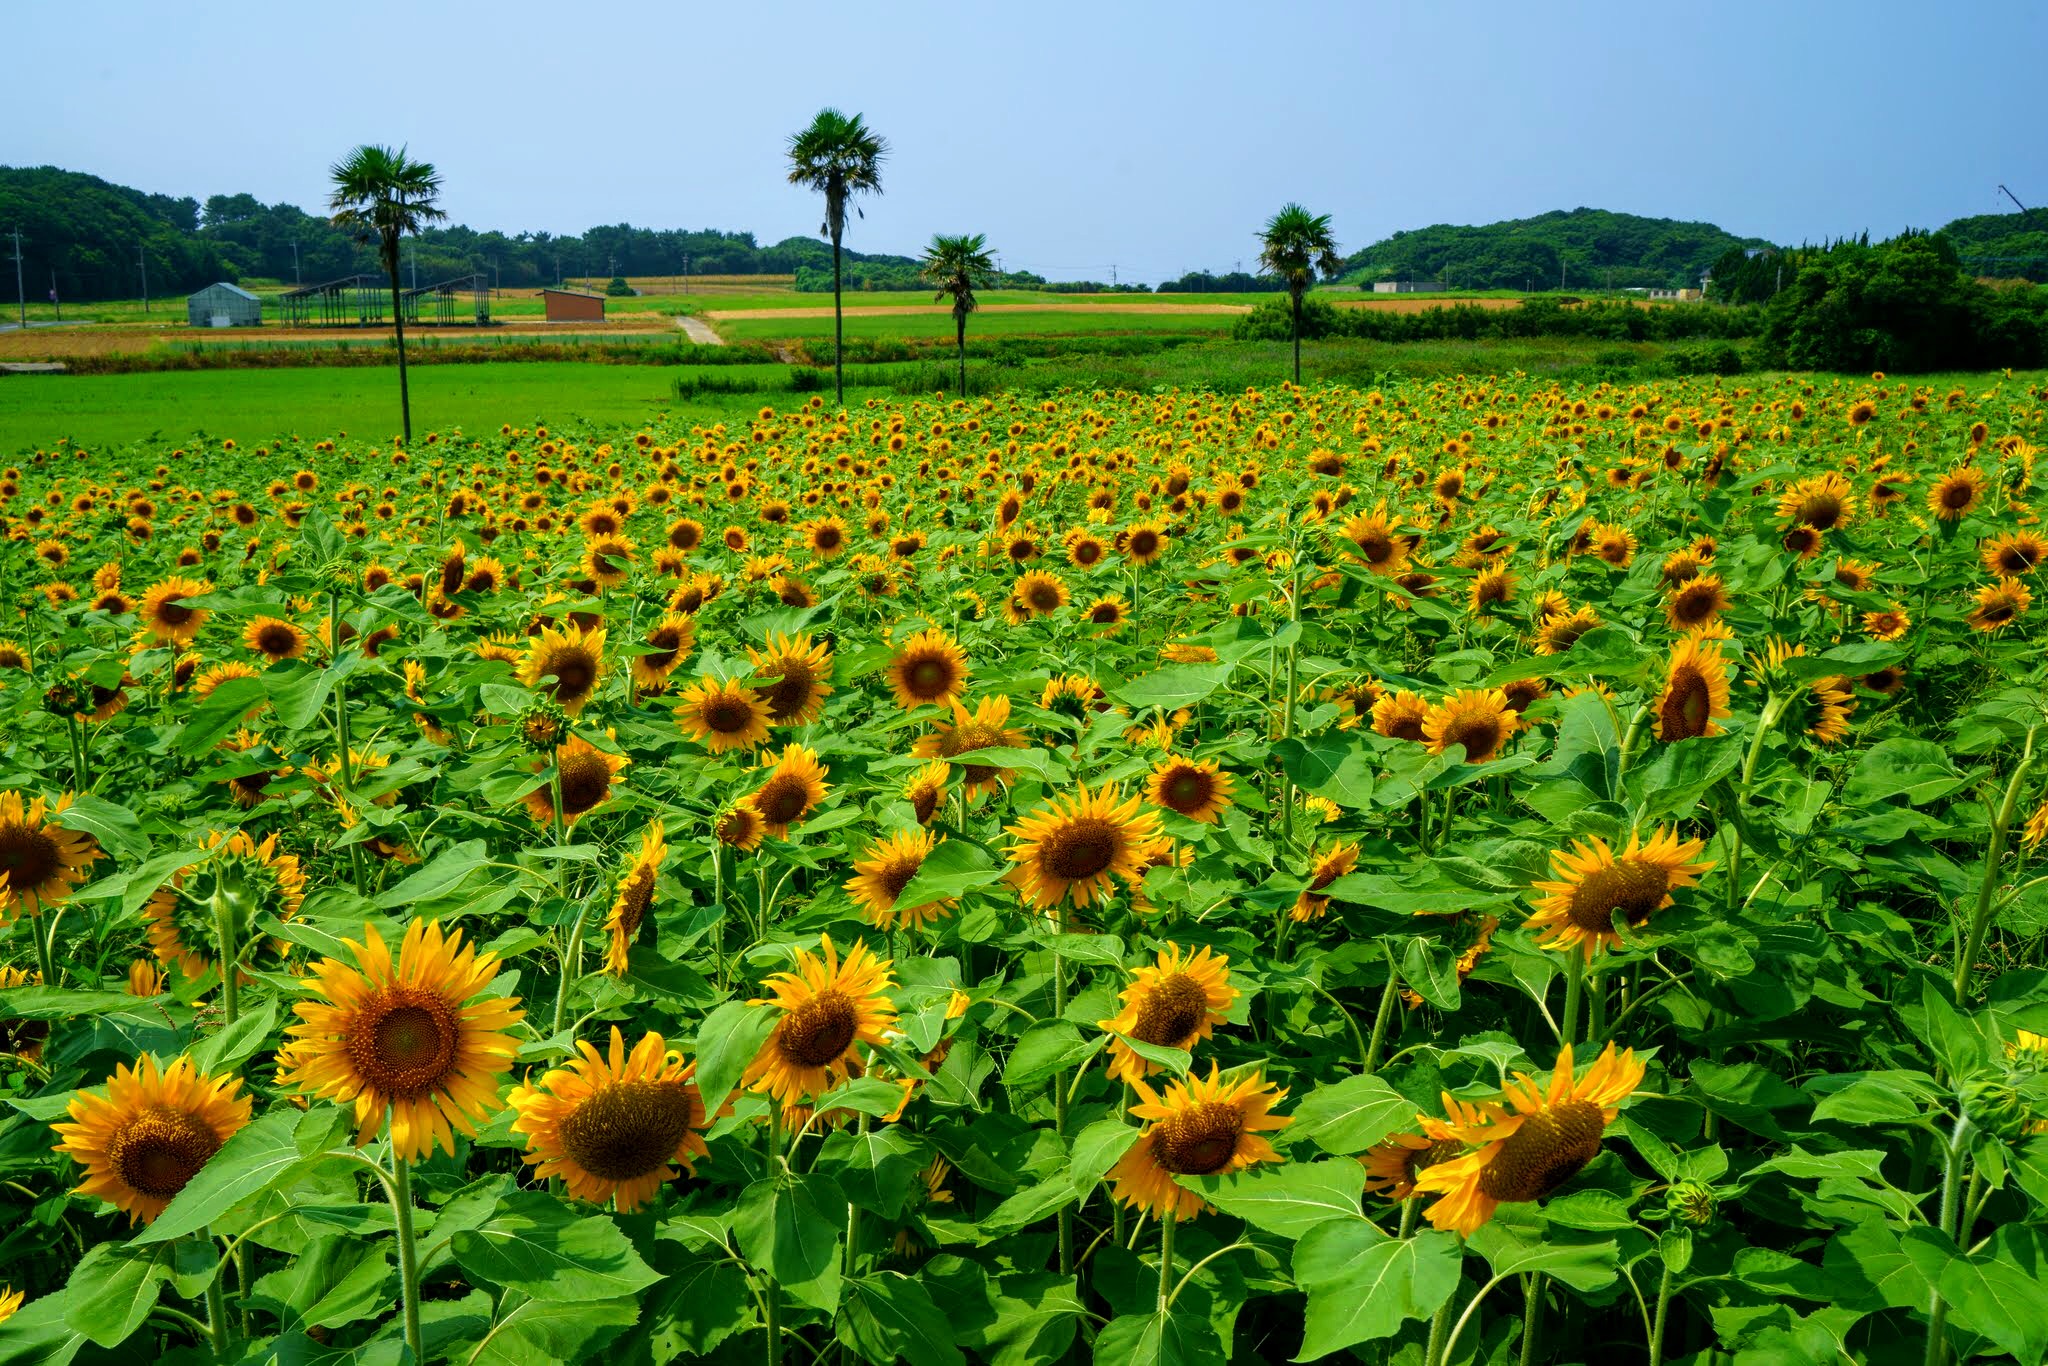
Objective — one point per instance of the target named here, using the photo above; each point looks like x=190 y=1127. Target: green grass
x=1065 y=322
x=98 y=411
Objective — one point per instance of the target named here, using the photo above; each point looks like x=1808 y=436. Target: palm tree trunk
x=960 y=342
x=838 y=327
x=1295 y=298
x=398 y=321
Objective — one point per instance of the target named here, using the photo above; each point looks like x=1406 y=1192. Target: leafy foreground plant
x=1453 y=873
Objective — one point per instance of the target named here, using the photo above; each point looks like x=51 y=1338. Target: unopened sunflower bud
x=64 y=700
x=1692 y=1202
x=542 y=725
x=1998 y=1108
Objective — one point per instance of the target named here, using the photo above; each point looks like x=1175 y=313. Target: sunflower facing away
x=1194 y=788
x=1200 y=1127
x=1529 y=1143
x=1594 y=884
x=1695 y=694
x=1478 y=719
x=143 y=1141
x=1392 y=1164
x=574 y=658
x=40 y=860
x=881 y=874
x=794 y=786
x=1076 y=847
x=722 y=715
x=587 y=775
x=827 y=1006
x=796 y=675
x=613 y=1128
x=930 y=668
x=412 y=1038
x=1175 y=1003
x=634 y=899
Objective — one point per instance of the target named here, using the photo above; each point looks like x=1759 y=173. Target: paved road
x=699 y=331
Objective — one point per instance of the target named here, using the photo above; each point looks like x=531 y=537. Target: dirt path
x=699 y=331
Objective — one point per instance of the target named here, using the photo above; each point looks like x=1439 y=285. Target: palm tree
x=840 y=158
x=954 y=266
x=1293 y=247
x=380 y=195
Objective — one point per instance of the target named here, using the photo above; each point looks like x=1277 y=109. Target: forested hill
x=1580 y=248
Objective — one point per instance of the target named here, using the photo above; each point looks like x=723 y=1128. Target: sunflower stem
x=1059 y=1095
x=1370 y=1058
x=399 y=1189
x=572 y=966
x=772 y=1298
x=1409 y=1209
x=80 y=780
x=1628 y=744
x=1532 y=1316
x=230 y=955
x=1574 y=996
x=1166 y=1223
x=217 y=1314
x=1663 y=1316
x=1951 y=1205
x=1768 y=718
x=44 y=932
x=1438 y=1326
x=1994 y=857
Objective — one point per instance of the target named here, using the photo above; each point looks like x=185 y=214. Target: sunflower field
x=1486 y=871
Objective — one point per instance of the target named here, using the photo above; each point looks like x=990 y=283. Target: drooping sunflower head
x=881 y=874
x=1478 y=719
x=634 y=899
x=828 y=1007
x=1175 y=1002
x=796 y=675
x=614 y=1127
x=149 y=1135
x=1195 y=788
x=1695 y=695
x=1392 y=1164
x=1595 y=886
x=1201 y=1126
x=925 y=789
x=573 y=658
x=41 y=860
x=414 y=1037
x=931 y=668
x=586 y=775
x=1078 y=847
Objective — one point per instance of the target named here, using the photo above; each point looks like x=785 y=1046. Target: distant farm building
x=573 y=306
x=224 y=305
x=363 y=301
x=1676 y=296
x=1407 y=286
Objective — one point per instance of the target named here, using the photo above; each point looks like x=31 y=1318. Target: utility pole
x=54 y=301
x=413 y=255
x=298 y=279
x=20 y=294
x=142 y=258
x=686 y=272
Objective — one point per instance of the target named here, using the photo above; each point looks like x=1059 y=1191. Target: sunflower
x=723 y=715
x=797 y=675
x=587 y=775
x=614 y=1129
x=1200 y=1127
x=274 y=639
x=574 y=658
x=926 y=789
x=41 y=861
x=1829 y=701
x=881 y=874
x=1825 y=502
x=669 y=642
x=10 y=1302
x=1594 y=884
x=1695 y=694
x=1108 y=614
x=827 y=1007
x=1956 y=494
x=1392 y=1164
x=1084 y=549
x=1175 y=1003
x=608 y=560
x=1528 y=1151
x=634 y=898
x=1038 y=593
x=1559 y=631
x=1696 y=602
x=1479 y=719
x=930 y=668
x=1399 y=715
x=145 y=1140
x=1077 y=847
x=986 y=727
x=2010 y=556
x=165 y=615
x=1999 y=605
x=739 y=826
x=795 y=784
x=1375 y=542
x=1144 y=543
x=1194 y=788
x=13 y=656
x=1491 y=588
x=1890 y=624
x=1310 y=905
x=412 y=1038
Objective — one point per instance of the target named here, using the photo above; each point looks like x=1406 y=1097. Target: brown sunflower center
x=928 y=676
x=1105 y=614
x=1081 y=848
x=276 y=639
x=628 y=1129
x=1631 y=886
x=172 y=613
x=634 y=898
x=1420 y=1160
x=1480 y=735
x=790 y=693
x=1548 y=1150
x=586 y=779
x=667 y=642
x=1376 y=547
x=575 y=672
x=28 y=858
x=1998 y=610
x=821 y=1029
x=1144 y=542
x=1086 y=553
x=925 y=801
x=898 y=872
x=783 y=798
x=1199 y=1141
x=736 y=826
x=405 y=1042
x=161 y=1149
x=1187 y=789
x=1687 y=704
x=1042 y=597
x=1696 y=604
x=1172 y=1011
x=1821 y=511
x=1958 y=495
x=726 y=713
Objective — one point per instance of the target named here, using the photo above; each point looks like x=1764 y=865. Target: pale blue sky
x=1149 y=137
